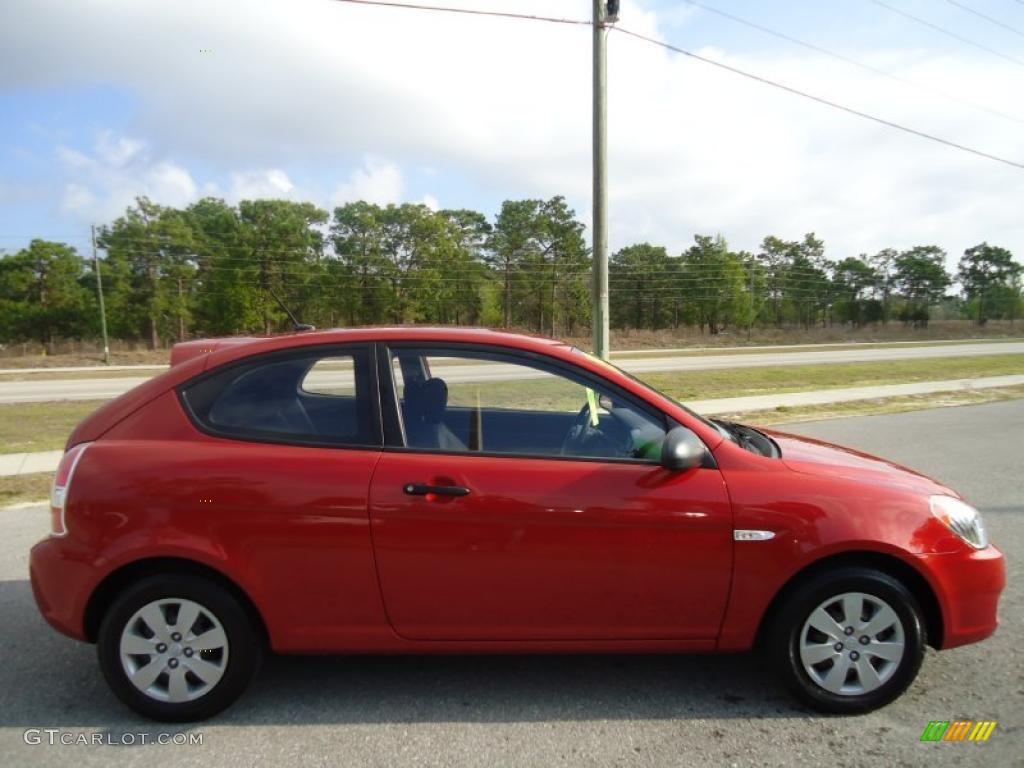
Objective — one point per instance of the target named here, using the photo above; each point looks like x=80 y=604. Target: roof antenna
x=295 y=321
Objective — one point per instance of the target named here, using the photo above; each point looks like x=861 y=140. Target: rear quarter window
x=320 y=398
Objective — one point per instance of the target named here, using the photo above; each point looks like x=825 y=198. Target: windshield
x=628 y=375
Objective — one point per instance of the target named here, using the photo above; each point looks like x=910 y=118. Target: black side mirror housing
x=682 y=449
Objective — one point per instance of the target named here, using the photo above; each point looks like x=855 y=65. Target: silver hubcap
x=174 y=650
x=852 y=643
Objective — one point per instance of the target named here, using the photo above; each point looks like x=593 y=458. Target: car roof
x=449 y=332
x=246 y=345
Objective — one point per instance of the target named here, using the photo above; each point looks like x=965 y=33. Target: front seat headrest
x=426 y=400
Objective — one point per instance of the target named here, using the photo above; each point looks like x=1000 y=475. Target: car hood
x=815 y=457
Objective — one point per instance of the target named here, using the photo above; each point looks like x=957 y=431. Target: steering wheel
x=585 y=439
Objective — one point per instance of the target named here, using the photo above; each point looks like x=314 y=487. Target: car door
x=522 y=499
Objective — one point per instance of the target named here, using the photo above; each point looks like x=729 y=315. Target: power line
x=292 y=288
x=681 y=268
x=679 y=265
x=467 y=11
x=734 y=70
x=989 y=19
x=854 y=62
x=684 y=274
x=202 y=254
x=819 y=99
x=947 y=32
x=542 y=272
x=414 y=281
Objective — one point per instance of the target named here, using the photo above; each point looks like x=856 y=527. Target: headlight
x=962 y=519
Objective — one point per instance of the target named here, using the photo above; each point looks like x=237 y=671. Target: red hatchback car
x=414 y=490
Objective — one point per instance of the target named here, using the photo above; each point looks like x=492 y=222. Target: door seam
x=373 y=546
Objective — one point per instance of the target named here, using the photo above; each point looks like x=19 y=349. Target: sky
x=105 y=100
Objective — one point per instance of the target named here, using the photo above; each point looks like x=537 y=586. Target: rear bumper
x=61 y=586
x=968 y=585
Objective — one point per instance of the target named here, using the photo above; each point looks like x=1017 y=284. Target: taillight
x=61 y=486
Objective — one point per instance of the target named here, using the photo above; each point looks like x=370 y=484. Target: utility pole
x=750 y=320
x=602 y=13
x=181 y=311
x=99 y=293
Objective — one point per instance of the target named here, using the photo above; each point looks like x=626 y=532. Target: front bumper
x=968 y=585
x=61 y=585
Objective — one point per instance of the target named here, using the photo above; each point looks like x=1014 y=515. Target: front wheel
x=849 y=641
x=177 y=648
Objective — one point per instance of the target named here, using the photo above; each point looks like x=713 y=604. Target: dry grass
x=715 y=352
x=102 y=372
x=688 y=337
x=25 y=488
x=129 y=353
x=71 y=359
x=98 y=373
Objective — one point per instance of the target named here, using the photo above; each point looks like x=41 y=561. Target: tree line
x=212 y=269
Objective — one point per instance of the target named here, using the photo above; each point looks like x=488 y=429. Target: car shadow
x=50 y=681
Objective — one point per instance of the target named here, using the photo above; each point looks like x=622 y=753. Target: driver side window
x=454 y=400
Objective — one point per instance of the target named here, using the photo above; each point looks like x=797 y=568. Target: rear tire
x=177 y=648
x=848 y=641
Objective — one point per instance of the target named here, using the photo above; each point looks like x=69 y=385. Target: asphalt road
x=555 y=711
x=43 y=390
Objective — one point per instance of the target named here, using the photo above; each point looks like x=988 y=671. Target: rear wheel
x=849 y=641
x=177 y=648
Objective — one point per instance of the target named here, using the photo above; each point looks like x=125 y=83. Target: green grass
x=790 y=414
x=736 y=382
x=30 y=427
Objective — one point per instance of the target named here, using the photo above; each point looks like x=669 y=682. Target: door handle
x=422 y=489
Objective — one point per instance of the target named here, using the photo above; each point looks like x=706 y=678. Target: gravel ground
x=548 y=711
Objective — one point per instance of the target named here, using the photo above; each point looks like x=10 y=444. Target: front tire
x=177 y=648
x=848 y=641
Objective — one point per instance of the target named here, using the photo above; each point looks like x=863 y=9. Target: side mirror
x=682 y=449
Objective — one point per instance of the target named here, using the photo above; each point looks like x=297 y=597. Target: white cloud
x=102 y=184
x=116 y=150
x=78 y=199
x=505 y=108
x=271 y=183
x=171 y=184
x=378 y=181
x=74 y=159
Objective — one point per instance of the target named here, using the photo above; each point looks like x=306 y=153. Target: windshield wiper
x=728 y=429
x=749 y=439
